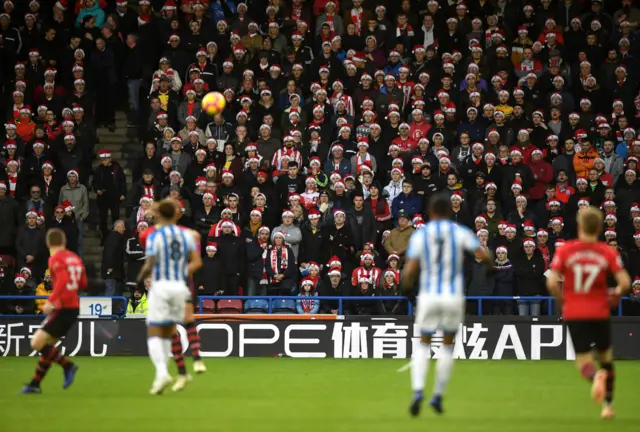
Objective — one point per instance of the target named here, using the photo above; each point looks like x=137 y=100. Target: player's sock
x=420 y=367
x=608 y=396
x=176 y=350
x=194 y=340
x=588 y=371
x=43 y=366
x=444 y=365
x=63 y=361
x=158 y=356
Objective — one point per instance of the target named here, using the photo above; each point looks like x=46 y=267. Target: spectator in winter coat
x=112 y=263
x=479 y=283
x=529 y=278
x=135 y=253
x=208 y=280
x=583 y=160
x=364 y=289
x=30 y=246
x=334 y=286
x=394 y=188
x=257 y=280
x=44 y=290
x=138 y=303
x=308 y=303
x=232 y=254
x=280 y=266
x=17 y=306
x=339 y=240
x=504 y=278
x=362 y=222
x=398 y=240
x=291 y=233
x=312 y=239
x=91 y=8
x=77 y=195
x=408 y=201
x=542 y=175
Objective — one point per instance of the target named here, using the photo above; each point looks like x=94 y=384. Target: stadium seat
x=229 y=306
x=283 y=306
x=256 y=306
x=208 y=306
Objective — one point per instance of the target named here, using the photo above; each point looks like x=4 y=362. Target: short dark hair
x=56 y=237
x=167 y=209
x=439 y=205
x=407 y=181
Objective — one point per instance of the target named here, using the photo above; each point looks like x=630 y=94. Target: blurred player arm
x=624 y=282
x=146 y=269
x=195 y=262
x=554 y=285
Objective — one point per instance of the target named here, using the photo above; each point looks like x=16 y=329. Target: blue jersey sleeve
x=470 y=241
x=150 y=250
x=416 y=245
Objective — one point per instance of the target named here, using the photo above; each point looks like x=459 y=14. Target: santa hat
x=542 y=232
x=528 y=225
x=72 y=172
x=212 y=247
x=501 y=249
x=334 y=261
x=557 y=220
x=528 y=242
x=19 y=278
x=611 y=216
x=314 y=214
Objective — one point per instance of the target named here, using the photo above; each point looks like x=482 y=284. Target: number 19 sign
x=92 y=307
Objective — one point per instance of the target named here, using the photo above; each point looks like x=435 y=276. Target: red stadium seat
x=229 y=306
x=208 y=306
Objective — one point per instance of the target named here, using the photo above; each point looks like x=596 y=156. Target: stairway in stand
x=125 y=149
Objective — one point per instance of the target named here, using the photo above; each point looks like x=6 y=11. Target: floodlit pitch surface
x=299 y=395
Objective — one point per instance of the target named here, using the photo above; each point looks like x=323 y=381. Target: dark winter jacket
x=529 y=275
x=112 y=255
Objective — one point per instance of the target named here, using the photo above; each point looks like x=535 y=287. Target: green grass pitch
x=284 y=394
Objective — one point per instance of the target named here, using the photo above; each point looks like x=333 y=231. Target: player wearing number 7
x=62 y=308
x=583 y=266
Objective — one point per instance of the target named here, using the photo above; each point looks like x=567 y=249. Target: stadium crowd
x=342 y=119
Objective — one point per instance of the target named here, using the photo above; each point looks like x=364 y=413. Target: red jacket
x=543 y=174
x=417 y=131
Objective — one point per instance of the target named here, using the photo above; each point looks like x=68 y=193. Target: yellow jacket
x=141 y=309
x=41 y=291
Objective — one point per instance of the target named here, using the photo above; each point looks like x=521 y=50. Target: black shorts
x=585 y=333
x=60 y=322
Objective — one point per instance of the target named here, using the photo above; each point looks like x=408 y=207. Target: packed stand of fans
x=342 y=119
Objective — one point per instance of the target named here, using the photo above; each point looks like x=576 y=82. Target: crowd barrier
x=116 y=307
x=347 y=337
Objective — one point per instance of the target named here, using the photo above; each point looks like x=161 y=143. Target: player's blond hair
x=56 y=237
x=590 y=220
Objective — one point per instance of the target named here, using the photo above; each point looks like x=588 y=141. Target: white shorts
x=439 y=313
x=167 y=302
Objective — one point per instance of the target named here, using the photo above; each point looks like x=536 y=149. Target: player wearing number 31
x=171 y=258
x=61 y=309
x=583 y=266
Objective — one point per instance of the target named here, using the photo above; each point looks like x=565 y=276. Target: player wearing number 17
x=583 y=266
x=62 y=308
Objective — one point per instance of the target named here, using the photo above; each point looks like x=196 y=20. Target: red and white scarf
x=13 y=183
x=264 y=261
x=284 y=260
x=361 y=161
x=356 y=17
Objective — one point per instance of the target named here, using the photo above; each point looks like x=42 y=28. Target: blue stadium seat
x=229 y=306
x=283 y=306
x=256 y=306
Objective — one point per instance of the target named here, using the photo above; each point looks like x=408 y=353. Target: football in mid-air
x=213 y=103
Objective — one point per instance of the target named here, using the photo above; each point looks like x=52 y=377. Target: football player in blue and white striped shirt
x=171 y=257
x=436 y=254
